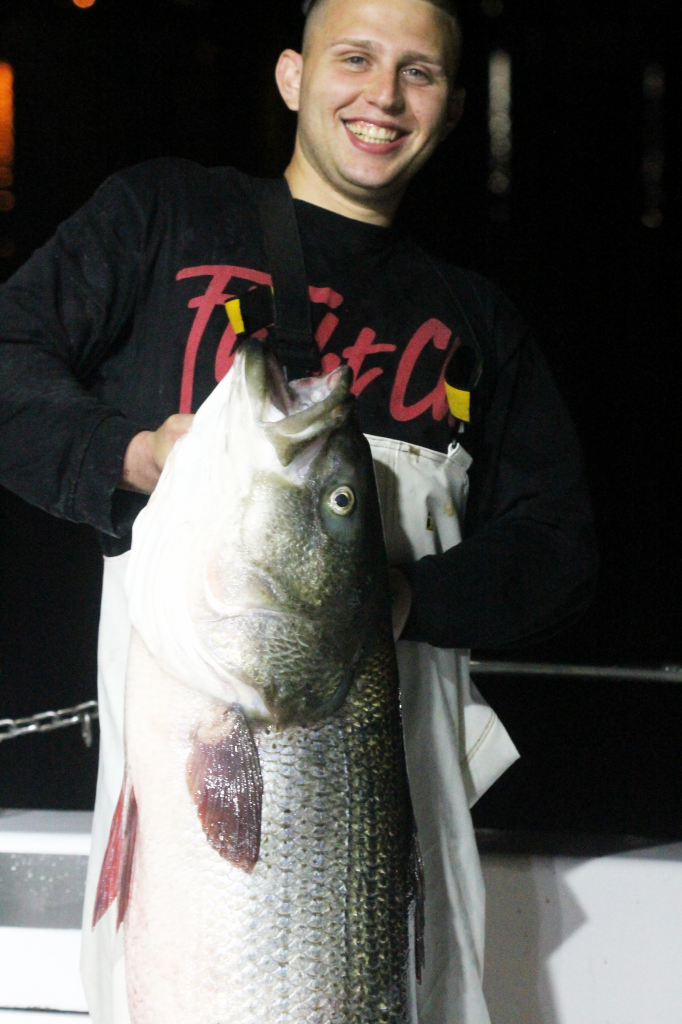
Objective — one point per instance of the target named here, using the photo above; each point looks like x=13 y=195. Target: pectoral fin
x=224 y=779
x=117 y=866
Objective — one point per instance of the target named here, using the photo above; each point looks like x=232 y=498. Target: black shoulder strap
x=292 y=333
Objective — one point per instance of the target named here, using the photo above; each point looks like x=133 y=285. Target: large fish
x=262 y=856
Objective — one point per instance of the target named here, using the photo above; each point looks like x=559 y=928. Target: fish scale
x=305 y=805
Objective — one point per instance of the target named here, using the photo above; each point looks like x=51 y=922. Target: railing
x=667 y=674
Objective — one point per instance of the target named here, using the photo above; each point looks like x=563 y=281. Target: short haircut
x=447 y=7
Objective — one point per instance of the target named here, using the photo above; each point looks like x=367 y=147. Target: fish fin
x=225 y=782
x=117 y=866
x=417 y=886
x=127 y=855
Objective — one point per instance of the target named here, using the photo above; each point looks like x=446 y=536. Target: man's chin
x=377 y=189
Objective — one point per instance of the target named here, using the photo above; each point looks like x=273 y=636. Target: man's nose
x=385 y=90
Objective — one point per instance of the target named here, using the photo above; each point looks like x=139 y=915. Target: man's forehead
x=414 y=25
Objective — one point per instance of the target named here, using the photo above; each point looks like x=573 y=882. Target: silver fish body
x=262 y=854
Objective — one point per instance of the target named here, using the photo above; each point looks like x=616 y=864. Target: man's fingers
x=168 y=433
x=178 y=424
x=174 y=427
x=146 y=454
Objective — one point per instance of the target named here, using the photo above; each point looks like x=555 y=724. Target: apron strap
x=292 y=333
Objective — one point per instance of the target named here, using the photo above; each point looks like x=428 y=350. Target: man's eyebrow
x=407 y=58
x=423 y=58
x=366 y=44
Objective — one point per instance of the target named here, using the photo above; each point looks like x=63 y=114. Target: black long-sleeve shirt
x=119 y=321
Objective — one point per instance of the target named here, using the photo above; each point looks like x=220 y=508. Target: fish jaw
x=293 y=416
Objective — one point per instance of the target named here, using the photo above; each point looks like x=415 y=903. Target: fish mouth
x=295 y=414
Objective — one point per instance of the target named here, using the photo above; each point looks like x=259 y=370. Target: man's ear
x=288 y=77
x=455 y=108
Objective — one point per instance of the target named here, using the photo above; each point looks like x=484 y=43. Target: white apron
x=455 y=745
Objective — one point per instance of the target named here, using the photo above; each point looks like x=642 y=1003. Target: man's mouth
x=373 y=134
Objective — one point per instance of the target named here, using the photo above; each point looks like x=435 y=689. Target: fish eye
x=341 y=501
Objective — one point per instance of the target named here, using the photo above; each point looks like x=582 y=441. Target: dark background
x=100 y=88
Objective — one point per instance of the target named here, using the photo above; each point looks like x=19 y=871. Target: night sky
x=585 y=240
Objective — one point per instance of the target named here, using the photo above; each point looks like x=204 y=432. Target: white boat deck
x=571 y=939
x=585 y=939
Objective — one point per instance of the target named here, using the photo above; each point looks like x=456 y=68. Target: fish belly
x=316 y=933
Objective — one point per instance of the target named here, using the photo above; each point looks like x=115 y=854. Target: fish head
x=292 y=589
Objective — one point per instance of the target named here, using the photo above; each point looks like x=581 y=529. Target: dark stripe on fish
x=379 y=880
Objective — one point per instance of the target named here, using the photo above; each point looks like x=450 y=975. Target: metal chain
x=81 y=714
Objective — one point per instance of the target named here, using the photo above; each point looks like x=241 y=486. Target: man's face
x=375 y=94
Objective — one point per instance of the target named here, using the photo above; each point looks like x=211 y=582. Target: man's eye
x=416 y=73
x=356 y=60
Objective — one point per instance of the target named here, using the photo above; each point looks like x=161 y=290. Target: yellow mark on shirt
x=458 y=402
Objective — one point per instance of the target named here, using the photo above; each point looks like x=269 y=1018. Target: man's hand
x=401 y=600
x=146 y=454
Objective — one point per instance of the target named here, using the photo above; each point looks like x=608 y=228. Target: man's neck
x=305 y=183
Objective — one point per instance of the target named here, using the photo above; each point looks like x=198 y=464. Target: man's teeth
x=371 y=132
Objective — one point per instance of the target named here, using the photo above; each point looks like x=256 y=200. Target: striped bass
x=262 y=858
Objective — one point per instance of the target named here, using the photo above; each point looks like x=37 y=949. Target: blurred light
x=653 y=158
x=83 y=3
x=499 y=122
x=499 y=182
x=7 y=200
x=653 y=82
x=652 y=218
x=6 y=115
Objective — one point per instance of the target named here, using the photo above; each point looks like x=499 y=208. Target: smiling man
x=374 y=91
x=116 y=331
